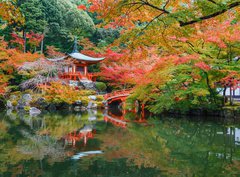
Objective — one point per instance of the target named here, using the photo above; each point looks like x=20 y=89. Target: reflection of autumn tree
x=172 y=147
x=9 y=155
x=144 y=149
x=58 y=125
x=36 y=140
x=39 y=147
x=176 y=147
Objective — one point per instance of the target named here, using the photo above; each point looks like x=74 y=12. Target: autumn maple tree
x=10 y=60
x=195 y=48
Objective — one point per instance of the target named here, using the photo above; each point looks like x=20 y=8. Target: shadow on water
x=116 y=143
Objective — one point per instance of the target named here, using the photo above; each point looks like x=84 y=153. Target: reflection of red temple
x=116 y=120
x=83 y=134
x=120 y=121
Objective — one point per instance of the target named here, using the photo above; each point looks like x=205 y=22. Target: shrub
x=27 y=108
x=100 y=98
x=14 y=103
x=101 y=86
x=58 y=93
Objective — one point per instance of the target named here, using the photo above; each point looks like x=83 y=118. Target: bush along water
x=54 y=96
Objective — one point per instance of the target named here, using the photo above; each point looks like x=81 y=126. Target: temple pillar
x=74 y=68
x=85 y=70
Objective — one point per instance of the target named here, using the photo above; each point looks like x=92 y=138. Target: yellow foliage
x=10 y=13
x=59 y=93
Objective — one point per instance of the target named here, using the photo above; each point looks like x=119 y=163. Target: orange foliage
x=52 y=52
x=10 y=13
x=10 y=60
x=203 y=66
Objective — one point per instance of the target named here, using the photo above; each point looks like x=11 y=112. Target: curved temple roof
x=77 y=56
x=83 y=57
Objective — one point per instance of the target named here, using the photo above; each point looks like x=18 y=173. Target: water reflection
x=96 y=143
x=84 y=134
x=235 y=134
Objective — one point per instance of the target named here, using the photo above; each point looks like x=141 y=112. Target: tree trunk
x=212 y=95
x=42 y=42
x=224 y=96
x=233 y=96
x=25 y=41
x=42 y=46
x=231 y=101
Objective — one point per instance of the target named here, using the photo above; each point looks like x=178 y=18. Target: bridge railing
x=117 y=93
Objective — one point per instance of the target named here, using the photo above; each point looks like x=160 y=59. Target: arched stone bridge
x=120 y=95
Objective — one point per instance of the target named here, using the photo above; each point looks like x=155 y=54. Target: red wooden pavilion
x=78 y=69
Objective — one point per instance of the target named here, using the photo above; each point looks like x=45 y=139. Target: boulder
x=13 y=97
x=27 y=98
x=11 y=115
x=78 y=102
x=9 y=105
x=94 y=106
x=21 y=104
x=92 y=97
x=90 y=104
x=73 y=83
x=34 y=111
x=87 y=84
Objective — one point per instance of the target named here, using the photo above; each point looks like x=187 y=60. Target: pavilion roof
x=79 y=56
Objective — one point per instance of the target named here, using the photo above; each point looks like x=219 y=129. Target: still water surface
x=110 y=145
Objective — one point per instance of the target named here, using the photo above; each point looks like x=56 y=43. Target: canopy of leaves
x=194 y=42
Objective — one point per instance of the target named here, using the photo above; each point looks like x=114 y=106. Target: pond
x=109 y=144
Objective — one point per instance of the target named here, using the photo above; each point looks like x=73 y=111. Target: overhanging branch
x=230 y=6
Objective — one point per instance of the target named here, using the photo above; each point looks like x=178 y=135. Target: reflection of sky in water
x=83 y=154
x=237 y=135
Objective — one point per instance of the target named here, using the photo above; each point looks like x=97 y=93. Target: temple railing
x=77 y=76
